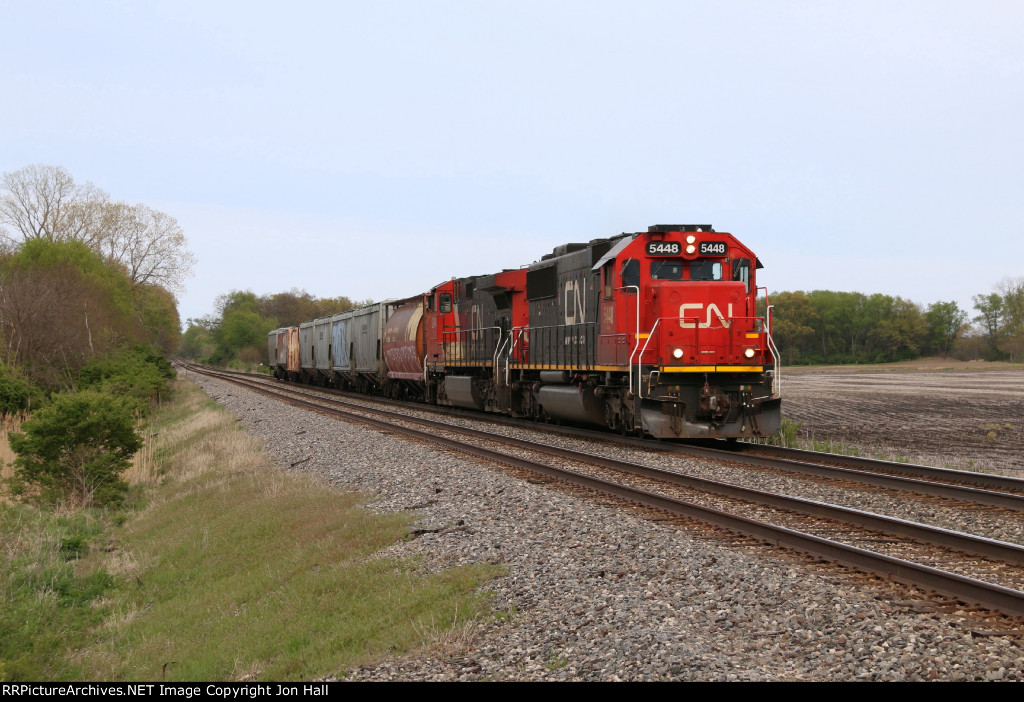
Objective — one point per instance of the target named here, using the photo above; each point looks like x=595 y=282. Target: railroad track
x=977 y=488
x=972 y=568
x=873 y=466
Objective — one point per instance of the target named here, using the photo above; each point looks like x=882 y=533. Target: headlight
x=690 y=248
x=749 y=353
x=677 y=353
x=690 y=239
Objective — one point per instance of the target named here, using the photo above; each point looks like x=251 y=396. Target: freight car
x=654 y=332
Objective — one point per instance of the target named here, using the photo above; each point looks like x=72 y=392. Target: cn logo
x=689 y=311
x=575 y=302
x=475 y=315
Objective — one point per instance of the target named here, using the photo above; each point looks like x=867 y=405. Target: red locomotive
x=655 y=332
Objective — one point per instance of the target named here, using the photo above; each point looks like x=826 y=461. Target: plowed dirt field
x=967 y=415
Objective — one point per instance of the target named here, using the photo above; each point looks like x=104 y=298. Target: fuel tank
x=572 y=403
x=462 y=391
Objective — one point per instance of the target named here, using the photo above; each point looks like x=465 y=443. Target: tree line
x=821 y=326
x=824 y=326
x=82 y=275
x=237 y=332
x=88 y=314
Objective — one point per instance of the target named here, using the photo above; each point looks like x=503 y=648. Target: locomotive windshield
x=667 y=269
x=706 y=270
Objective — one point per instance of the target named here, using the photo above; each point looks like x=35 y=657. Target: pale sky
x=375 y=149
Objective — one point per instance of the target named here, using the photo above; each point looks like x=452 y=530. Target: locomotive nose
x=699 y=320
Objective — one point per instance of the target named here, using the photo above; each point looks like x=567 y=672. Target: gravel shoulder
x=597 y=592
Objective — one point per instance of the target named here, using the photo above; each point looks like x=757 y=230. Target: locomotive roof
x=616 y=244
x=614 y=251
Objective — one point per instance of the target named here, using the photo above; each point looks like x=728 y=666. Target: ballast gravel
x=595 y=590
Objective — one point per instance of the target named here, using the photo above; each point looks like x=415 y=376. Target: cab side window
x=631 y=274
x=445 y=303
x=741 y=272
x=606 y=279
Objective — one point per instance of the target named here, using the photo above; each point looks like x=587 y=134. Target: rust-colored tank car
x=404 y=347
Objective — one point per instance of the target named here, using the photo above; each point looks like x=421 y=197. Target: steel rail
x=988 y=480
x=1006 y=500
x=919 y=478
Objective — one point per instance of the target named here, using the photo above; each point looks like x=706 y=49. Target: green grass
x=49 y=599
x=230 y=569
x=787 y=435
x=790 y=435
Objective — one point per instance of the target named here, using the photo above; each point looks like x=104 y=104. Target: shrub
x=139 y=372
x=76 y=448
x=16 y=394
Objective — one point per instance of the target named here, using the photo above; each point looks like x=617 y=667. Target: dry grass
x=233 y=569
x=8 y=424
x=144 y=468
x=236 y=569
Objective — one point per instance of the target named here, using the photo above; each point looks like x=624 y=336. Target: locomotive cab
x=701 y=362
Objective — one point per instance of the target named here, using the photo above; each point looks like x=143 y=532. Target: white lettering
x=691 y=310
x=474 y=323
x=575 y=302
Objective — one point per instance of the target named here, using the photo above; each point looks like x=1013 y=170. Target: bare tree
x=44 y=202
x=149 y=244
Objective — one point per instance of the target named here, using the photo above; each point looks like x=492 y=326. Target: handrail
x=543 y=341
x=512 y=348
x=639 y=388
x=636 y=338
x=461 y=343
x=776 y=367
x=497 y=354
x=777 y=362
